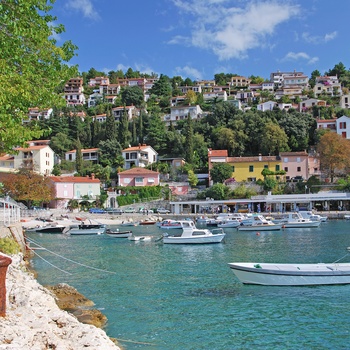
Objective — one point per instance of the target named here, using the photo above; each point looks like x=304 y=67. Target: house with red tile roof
x=74 y=187
x=88 y=154
x=138 y=177
x=139 y=156
x=37 y=156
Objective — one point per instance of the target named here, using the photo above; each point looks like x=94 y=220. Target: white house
x=139 y=156
x=266 y=106
x=343 y=126
x=88 y=154
x=37 y=156
x=181 y=113
x=345 y=101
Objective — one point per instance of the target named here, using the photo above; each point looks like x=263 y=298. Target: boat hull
x=301 y=224
x=48 y=229
x=291 y=274
x=274 y=227
x=120 y=234
x=194 y=240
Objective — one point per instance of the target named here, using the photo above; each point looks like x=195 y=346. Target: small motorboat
x=295 y=220
x=139 y=238
x=86 y=229
x=52 y=228
x=118 y=234
x=270 y=274
x=147 y=222
x=229 y=223
x=190 y=234
x=171 y=224
x=259 y=223
x=129 y=223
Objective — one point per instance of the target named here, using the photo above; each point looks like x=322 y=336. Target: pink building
x=138 y=177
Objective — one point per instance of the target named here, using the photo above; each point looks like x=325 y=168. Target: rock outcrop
x=33 y=320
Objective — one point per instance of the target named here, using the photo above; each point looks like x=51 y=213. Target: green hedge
x=134 y=194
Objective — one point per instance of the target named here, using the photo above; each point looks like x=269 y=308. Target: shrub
x=9 y=246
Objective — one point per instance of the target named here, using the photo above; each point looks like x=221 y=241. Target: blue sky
x=200 y=38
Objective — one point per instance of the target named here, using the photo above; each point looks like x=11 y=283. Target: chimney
x=260 y=157
x=92 y=176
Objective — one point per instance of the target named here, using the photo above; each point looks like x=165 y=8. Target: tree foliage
x=220 y=172
x=29 y=187
x=334 y=153
x=31 y=66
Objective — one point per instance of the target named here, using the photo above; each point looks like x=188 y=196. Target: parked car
x=163 y=211
x=129 y=210
x=96 y=211
x=146 y=211
x=114 y=211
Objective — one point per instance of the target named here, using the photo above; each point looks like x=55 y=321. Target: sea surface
x=174 y=297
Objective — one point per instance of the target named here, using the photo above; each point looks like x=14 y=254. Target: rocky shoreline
x=34 y=321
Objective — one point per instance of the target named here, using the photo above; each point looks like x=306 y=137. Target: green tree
x=192 y=178
x=162 y=87
x=132 y=95
x=31 y=67
x=273 y=139
x=124 y=133
x=220 y=172
x=61 y=144
x=78 y=157
x=111 y=129
x=189 y=139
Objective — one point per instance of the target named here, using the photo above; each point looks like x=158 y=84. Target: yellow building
x=250 y=168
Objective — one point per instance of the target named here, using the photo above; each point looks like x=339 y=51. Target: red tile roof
x=218 y=153
x=138 y=171
x=74 y=179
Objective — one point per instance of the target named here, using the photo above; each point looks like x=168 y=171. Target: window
x=151 y=179
x=233 y=168
x=266 y=166
x=298 y=160
x=251 y=168
x=286 y=169
x=251 y=179
x=126 y=180
x=298 y=169
x=342 y=125
x=277 y=167
x=285 y=160
x=343 y=134
x=138 y=179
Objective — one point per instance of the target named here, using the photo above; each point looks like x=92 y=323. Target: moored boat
x=52 y=228
x=271 y=274
x=295 y=220
x=118 y=234
x=86 y=229
x=260 y=223
x=190 y=234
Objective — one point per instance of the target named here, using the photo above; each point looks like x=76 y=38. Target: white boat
x=259 y=223
x=118 y=234
x=190 y=234
x=139 y=238
x=295 y=220
x=173 y=224
x=270 y=274
x=312 y=216
x=229 y=223
x=52 y=228
x=86 y=229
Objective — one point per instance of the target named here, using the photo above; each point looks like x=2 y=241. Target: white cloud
x=295 y=56
x=318 y=39
x=330 y=36
x=230 y=32
x=189 y=72
x=86 y=7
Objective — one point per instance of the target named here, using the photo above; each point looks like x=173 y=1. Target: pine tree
x=78 y=157
x=124 y=133
x=189 y=140
x=111 y=133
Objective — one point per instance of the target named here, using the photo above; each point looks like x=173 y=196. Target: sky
x=197 y=39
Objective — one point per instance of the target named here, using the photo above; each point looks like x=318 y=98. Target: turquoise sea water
x=186 y=297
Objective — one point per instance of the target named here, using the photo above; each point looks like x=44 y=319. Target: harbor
x=184 y=296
